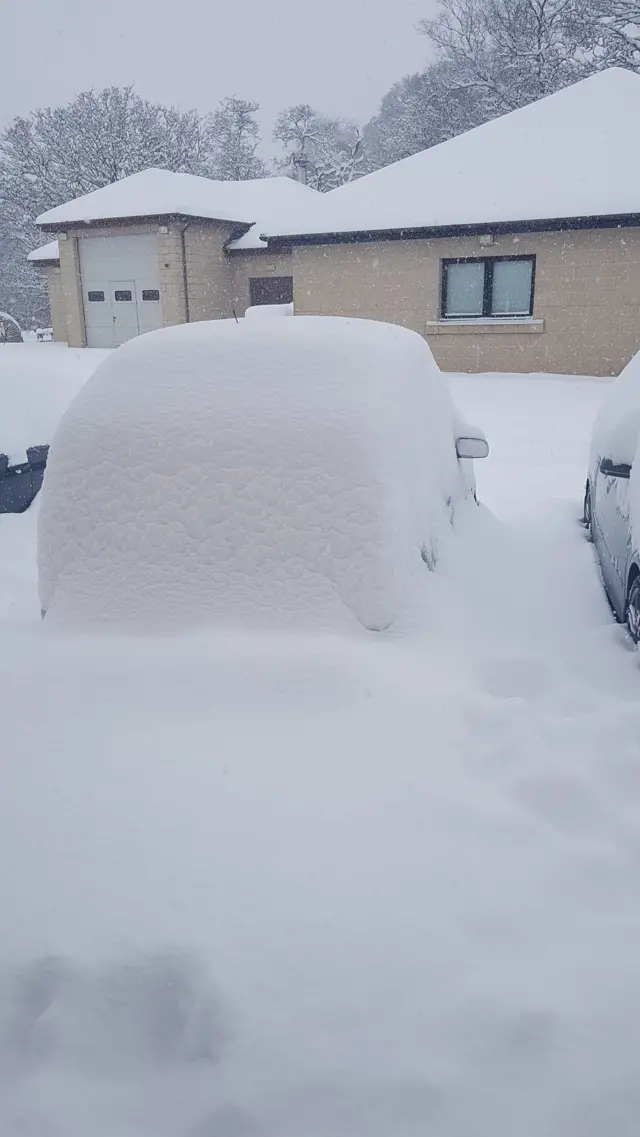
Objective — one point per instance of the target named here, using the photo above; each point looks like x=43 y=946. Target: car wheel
x=587 y=514
x=633 y=610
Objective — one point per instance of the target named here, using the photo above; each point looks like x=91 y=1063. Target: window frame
x=487 y=291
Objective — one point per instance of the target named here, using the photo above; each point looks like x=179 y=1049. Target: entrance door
x=97 y=313
x=149 y=310
x=124 y=310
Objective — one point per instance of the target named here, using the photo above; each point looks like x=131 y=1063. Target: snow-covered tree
x=509 y=52
x=492 y=56
x=233 y=136
x=418 y=112
x=323 y=152
x=58 y=153
x=615 y=31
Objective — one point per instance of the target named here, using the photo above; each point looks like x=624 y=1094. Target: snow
x=252 y=472
x=567 y=155
x=617 y=427
x=260 y=885
x=37 y=383
x=162 y=193
x=6 y=317
x=266 y=311
x=616 y=435
x=49 y=252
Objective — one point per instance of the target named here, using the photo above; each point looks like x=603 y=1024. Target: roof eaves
x=137 y=219
x=541 y=225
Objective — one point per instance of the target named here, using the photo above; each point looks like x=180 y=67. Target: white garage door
x=120 y=287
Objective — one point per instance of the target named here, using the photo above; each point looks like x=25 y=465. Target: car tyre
x=633 y=610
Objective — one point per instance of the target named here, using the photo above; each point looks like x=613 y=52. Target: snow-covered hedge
x=249 y=473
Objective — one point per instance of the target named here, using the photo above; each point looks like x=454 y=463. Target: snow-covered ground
x=286 y=886
x=37 y=383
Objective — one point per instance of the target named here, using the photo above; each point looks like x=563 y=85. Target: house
x=156 y=249
x=513 y=247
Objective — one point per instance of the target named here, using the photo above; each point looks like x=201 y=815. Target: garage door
x=120 y=287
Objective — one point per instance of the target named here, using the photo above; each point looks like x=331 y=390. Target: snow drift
x=251 y=473
x=37 y=384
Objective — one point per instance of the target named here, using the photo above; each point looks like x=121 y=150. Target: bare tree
x=323 y=152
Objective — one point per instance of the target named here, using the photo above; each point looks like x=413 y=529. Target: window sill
x=518 y=326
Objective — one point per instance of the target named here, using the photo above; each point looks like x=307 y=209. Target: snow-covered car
x=255 y=472
x=612 y=496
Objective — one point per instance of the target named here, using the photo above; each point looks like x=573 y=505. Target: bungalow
x=513 y=247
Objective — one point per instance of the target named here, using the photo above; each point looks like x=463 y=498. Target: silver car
x=608 y=501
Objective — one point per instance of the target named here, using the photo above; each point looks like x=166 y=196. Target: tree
x=323 y=152
x=418 y=112
x=233 y=136
x=509 y=52
x=615 y=26
x=493 y=56
x=56 y=154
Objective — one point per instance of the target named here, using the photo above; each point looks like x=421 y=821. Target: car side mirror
x=472 y=447
x=615 y=469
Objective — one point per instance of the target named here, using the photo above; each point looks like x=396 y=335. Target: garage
x=120 y=287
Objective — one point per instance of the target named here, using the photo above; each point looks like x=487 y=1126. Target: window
x=271 y=290
x=487 y=287
x=95 y=297
x=122 y=294
x=150 y=294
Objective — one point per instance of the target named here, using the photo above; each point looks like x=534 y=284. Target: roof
x=162 y=193
x=569 y=155
x=46 y=254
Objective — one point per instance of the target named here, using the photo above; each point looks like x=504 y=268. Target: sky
x=339 y=55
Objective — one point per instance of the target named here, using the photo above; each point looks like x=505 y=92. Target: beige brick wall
x=586 y=308
x=254 y=264
x=208 y=270
x=171 y=250
x=71 y=291
x=587 y=296
x=53 y=277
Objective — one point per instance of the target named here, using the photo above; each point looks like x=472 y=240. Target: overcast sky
x=339 y=55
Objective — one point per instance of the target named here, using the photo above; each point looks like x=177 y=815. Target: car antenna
x=234 y=316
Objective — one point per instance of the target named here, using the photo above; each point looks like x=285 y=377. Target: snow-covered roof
x=572 y=154
x=49 y=252
x=262 y=202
